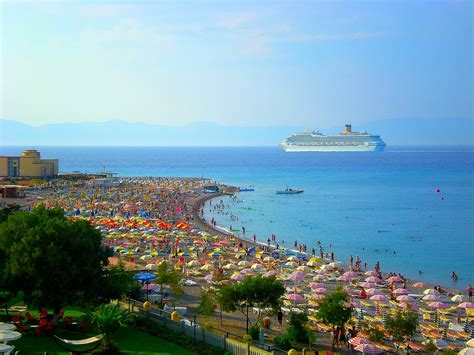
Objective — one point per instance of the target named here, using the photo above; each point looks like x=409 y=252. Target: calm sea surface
x=383 y=206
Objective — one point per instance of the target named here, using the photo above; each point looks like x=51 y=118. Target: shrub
x=282 y=343
x=254 y=331
x=246 y=338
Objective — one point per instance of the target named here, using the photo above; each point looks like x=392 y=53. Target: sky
x=266 y=63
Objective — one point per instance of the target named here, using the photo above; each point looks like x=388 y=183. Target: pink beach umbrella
x=358 y=340
x=209 y=277
x=400 y=291
x=408 y=305
x=466 y=305
x=344 y=278
x=320 y=290
x=237 y=277
x=297 y=276
x=319 y=277
x=269 y=273
x=437 y=305
x=405 y=298
x=318 y=296
x=371 y=273
x=247 y=272
x=296 y=298
x=350 y=274
x=314 y=285
x=419 y=285
x=368 y=349
x=395 y=279
x=379 y=298
x=373 y=292
x=373 y=279
x=430 y=298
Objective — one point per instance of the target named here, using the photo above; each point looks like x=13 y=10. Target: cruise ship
x=347 y=141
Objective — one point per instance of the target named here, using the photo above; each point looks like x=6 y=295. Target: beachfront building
x=29 y=164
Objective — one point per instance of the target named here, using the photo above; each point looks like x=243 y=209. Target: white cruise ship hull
x=290 y=148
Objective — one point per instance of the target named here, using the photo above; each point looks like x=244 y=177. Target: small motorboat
x=246 y=189
x=288 y=191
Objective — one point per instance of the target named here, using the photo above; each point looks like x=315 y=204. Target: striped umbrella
x=358 y=340
x=368 y=349
x=360 y=317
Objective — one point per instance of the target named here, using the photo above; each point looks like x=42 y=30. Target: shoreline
x=200 y=204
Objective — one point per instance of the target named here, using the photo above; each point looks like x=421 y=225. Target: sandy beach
x=148 y=220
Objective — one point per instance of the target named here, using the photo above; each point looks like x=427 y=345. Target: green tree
x=119 y=282
x=206 y=305
x=333 y=310
x=167 y=276
x=51 y=260
x=108 y=319
x=297 y=330
x=5 y=212
x=402 y=325
x=253 y=291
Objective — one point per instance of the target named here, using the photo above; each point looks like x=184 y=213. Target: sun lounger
x=81 y=345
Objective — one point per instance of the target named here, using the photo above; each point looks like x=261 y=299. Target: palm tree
x=108 y=319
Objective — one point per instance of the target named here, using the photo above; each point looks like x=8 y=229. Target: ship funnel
x=347 y=129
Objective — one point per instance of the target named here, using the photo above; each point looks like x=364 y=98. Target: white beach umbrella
x=430 y=291
x=458 y=298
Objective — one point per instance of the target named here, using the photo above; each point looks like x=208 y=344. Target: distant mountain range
x=123 y=133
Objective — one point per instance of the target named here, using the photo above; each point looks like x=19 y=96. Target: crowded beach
x=150 y=220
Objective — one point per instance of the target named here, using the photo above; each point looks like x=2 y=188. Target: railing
x=196 y=331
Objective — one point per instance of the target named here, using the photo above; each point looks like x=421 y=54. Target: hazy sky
x=311 y=63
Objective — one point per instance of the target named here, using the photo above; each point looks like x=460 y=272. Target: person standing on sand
x=469 y=292
x=280 y=317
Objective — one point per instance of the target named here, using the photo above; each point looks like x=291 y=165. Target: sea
x=410 y=208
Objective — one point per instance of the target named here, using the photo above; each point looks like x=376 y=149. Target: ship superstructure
x=347 y=141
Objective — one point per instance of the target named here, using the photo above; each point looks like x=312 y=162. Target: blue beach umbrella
x=144 y=276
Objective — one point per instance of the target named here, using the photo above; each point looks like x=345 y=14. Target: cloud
x=235 y=21
x=354 y=36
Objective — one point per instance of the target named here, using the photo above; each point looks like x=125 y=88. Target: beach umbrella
x=247 y=272
x=291 y=263
x=437 y=305
x=194 y=263
x=332 y=265
x=400 y=291
x=430 y=291
x=395 y=279
x=373 y=292
x=344 y=278
x=314 y=285
x=144 y=276
x=371 y=273
x=269 y=273
x=430 y=298
x=319 y=277
x=257 y=266
x=207 y=267
x=318 y=296
x=405 y=298
x=368 y=349
x=304 y=268
x=350 y=274
x=466 y=305
x=313 y=263
x=470 y=343
x=230 y=267
x=458 y=298
x=151 y=267
x=209 y=277
x=296 y=276
x=321 y=290
x=379 y=298
x=359 y=340
x=269 y=259
x=237 y=277
x=295 y=298
x=315 y=259
x=373 y=279
x=466 y=351
x=244 y=263
x=292 y=258
x=419 y=285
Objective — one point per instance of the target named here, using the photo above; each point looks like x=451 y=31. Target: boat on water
x=288 y=191
x=246 y=189
x=347 y=141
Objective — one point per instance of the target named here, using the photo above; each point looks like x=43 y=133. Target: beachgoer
x=469 y=292
x=280 y=316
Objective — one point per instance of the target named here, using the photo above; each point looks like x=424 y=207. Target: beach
x=148 y=220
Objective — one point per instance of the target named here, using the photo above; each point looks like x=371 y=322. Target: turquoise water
x=383 y=207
